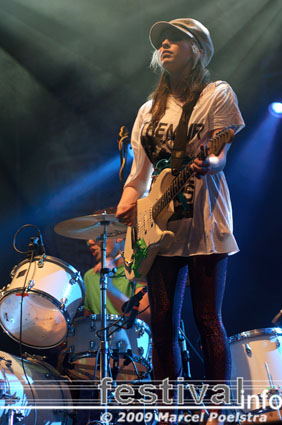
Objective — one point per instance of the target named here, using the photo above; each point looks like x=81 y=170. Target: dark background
x=73 y=72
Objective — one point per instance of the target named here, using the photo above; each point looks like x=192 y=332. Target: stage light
x=275 y=108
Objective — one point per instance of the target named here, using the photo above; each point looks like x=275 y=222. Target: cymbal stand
x=104 y=345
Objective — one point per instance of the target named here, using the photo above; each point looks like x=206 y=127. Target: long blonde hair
x=192 y=86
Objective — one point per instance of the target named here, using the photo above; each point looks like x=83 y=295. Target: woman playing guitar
x=202 y=218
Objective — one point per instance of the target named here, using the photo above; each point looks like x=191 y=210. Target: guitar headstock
x=222 y=138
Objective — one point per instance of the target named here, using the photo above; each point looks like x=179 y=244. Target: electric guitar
x=144 y=240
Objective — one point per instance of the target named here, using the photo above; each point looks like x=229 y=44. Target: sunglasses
x=171 y=35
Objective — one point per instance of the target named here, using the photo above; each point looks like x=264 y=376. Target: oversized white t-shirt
x=208 y=228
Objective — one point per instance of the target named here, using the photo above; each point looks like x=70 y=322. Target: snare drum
x=129 y=349
x=28 y=383
x=257 y=357
x=51 y=291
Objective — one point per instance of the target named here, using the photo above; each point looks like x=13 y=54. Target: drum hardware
x=40 y=263
x=92 y=326
x=248 y=349
x=70 y=350
x=6 y=317
x=30 y=285
x=9 y=397
x=13 y=272
x=115 y=368
x=141 y=331
x=76 y=276
x=118 y=344
x=185 y=355
x=277 y=320
x=80 y=310
x=63 y=302
x=269 y=375
x=14 y=416
x=35 y=357
x=71 y=331
x=7 y=362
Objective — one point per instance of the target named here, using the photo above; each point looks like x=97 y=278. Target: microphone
x=134 y=301
x=36 y=246
x=41 y=246
x=132 y=317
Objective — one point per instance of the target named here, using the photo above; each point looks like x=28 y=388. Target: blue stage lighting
x=275 y=108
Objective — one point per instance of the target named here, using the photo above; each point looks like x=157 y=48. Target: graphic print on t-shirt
x=157 y=140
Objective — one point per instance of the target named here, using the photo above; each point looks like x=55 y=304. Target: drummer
x=119 y=289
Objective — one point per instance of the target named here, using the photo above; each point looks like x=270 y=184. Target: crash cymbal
x=91 y=227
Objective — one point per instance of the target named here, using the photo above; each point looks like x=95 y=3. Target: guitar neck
x=214 y=146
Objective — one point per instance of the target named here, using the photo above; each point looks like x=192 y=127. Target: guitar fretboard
x=215 y=146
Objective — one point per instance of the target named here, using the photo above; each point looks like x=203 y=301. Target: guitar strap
x=178 y=152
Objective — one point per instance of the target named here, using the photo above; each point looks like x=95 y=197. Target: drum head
x=40 y=302
x=38 y=323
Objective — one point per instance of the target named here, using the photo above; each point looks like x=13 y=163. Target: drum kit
x=39 y=310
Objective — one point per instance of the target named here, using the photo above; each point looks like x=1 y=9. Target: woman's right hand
x=126 y=213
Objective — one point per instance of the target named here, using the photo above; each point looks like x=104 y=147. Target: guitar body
x=143 y=243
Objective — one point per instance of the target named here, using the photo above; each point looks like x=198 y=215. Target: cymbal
x=91 y=227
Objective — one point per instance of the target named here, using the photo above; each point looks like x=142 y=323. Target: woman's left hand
x=201 y=167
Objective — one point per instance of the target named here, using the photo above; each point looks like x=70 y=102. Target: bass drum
x=51 y=291
x=257 y=358
x=28 y=384
x=129 y=349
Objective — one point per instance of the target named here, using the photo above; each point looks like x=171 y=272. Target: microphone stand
x=185 y=355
